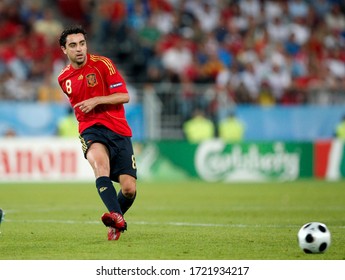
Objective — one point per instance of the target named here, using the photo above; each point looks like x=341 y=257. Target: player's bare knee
x=129 y=190
x=128 y=186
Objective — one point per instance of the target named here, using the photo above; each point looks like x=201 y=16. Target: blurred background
x=276 y=66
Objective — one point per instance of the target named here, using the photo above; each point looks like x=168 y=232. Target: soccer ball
x=314 y=237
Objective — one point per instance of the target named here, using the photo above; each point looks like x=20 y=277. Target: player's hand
x=87 y=105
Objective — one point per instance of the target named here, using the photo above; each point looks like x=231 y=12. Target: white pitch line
x=162 y=223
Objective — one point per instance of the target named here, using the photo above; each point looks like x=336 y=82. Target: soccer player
x=97 y=92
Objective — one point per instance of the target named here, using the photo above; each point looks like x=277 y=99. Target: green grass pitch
x=171 y=221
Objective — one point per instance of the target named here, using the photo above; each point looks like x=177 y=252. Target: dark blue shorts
x=122 y=160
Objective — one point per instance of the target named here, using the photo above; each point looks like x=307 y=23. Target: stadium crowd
x=251 y=51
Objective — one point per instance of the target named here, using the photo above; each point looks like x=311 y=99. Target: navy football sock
x=108 y=194
x=125 y=202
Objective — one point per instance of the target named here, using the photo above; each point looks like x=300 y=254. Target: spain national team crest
x=91 y=80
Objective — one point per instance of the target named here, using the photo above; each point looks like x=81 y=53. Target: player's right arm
x=89 y=104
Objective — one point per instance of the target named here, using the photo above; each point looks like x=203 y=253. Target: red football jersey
x=98 y=77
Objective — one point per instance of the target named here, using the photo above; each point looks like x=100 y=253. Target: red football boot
x=116 y=224
x=113 y=233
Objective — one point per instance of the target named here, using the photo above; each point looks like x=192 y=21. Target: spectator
x=68 y=125
x=279 y=79
x=298 y=8
x=214 y=31
x=231 y=129
x=137 y=16
x=335 y=61
x=340 y=129
x=272 y=9
x=250 y=8
x=277 y=30
x=148 y=38
x=19 y=64
x=238 y=20
x=177 y=59
x=335 y=19
x=208 y=15
x=30 y=11
x=291 y=46
x=210 y=69
x=266 y=97
x=250 y=81
x=321 y=7
x=80 y=11
x=300 y=29
x=262 y=66
x=199 y=128
x=48 y=26
x=163 y=19
x=17 y=89
x=228 y=76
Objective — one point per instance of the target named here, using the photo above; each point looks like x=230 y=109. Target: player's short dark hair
x=70 y=30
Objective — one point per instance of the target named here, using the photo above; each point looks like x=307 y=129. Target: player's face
x=76 y=49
